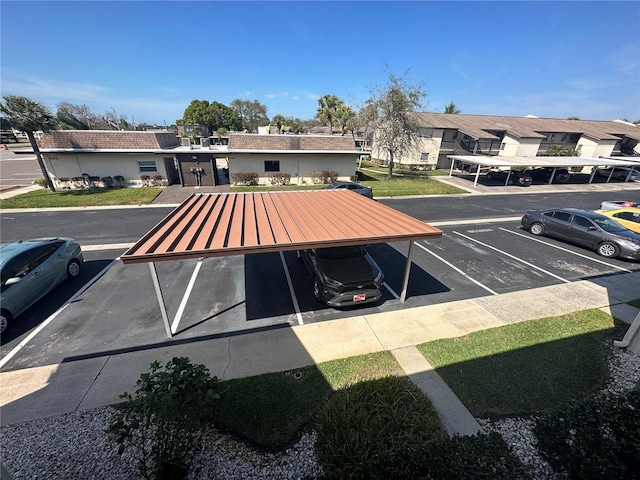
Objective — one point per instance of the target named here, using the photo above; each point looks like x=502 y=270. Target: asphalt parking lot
x=235 y=295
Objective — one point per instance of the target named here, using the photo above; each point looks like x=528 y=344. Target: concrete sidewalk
x=40 y=392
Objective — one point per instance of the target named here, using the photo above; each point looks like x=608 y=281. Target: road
x=17 y=169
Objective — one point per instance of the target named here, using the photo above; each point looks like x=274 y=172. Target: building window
x=147 y=166
x=502 y=145
x=272 y=165
x=424 y=156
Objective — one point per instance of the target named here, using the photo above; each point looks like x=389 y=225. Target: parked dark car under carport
x=516 y=178
x=343 y=276
x=543 y=174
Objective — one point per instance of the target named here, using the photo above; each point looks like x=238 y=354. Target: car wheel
x=316 y=289
x=5 y=320
x=536 y=228
x=607 y=249
x=73 y=268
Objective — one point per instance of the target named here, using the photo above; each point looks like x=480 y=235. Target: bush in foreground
x=362 y=422
x=593 y=438
x=163 y=423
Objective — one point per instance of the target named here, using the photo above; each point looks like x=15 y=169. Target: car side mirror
x=12 y=281
x=592 y=228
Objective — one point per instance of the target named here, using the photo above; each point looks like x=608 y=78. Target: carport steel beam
x=225 y=224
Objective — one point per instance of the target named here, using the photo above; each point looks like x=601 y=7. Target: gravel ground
x=74 y=446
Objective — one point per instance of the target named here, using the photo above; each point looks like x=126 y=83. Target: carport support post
x=163 y=309
x=405 y=283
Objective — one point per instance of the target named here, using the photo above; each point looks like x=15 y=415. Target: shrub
x=594 y=437
x=363 y=421
x=40 y=182
x=279 y=178
x=157 y=180
x=163 y=422
x=244 y=178
x=470 y=457
x=119 y=181
x=107 y=181
x=324 y=176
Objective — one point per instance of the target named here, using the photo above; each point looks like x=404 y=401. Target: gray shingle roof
x=109 y=140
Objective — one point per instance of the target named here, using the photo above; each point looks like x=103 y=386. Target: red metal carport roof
x=222 y=224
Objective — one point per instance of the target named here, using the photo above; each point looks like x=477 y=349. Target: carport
x=487 y=162
x=224 y=224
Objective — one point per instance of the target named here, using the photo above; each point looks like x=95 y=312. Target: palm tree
x=327 y=109
x=30 y=116
x=451 y=108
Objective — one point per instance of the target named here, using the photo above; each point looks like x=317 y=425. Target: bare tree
x=397 y=127
x=30 y=116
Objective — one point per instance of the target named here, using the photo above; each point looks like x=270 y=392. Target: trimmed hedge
x=324 y=176
x=244 y=178
x=478 y=457
x=595 y=438
x=279 y=178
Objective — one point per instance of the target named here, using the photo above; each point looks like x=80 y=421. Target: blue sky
x=149 y=60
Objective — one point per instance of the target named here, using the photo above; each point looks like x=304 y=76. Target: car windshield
x=339 y=252
x=609 y=225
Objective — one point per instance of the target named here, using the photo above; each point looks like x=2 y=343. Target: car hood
x=628 y=234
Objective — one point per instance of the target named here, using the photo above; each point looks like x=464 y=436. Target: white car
x=616 y=204
x=619 y=173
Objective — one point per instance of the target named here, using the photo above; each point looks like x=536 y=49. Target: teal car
x=30 y=269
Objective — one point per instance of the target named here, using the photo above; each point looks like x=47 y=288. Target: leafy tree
x=252 y=113
x=451 y=108
x=214 y=115
x=346 y=118
x=68 y=121
x=223 y=116
x=366 y=119
x=560 y=151
x=84 y=115
x=30 y=116
x=397 y=125
x=573 y=118
x=279 y=121
x=328 y=109
x=197 y=112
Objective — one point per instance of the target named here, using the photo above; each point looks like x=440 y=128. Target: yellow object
x=628 y=217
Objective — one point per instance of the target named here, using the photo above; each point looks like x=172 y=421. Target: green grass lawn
x=517 y=369
x=269 y=410
x=406 y=185
x=82 y=198
x=525 y=367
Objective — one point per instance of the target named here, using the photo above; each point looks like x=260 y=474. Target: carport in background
x=224 y=224
x=486 y=162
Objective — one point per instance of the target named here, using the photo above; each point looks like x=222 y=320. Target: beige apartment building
x=445 y=134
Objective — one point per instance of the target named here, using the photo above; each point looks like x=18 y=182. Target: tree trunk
x=36 y=150
x=390 y=174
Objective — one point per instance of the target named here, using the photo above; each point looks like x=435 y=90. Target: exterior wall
x=509 y=147
x=298 y=165
x=101 y=165
x=528 y=147
x=424 y=154
x=590 y=148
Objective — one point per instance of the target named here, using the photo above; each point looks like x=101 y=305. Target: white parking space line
x=450 y=265
x=51 y=317
x=185 y=298
x=502 y=252
x=529 y=237
x=108 y=246
x=293 y=293
x=395 y=295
